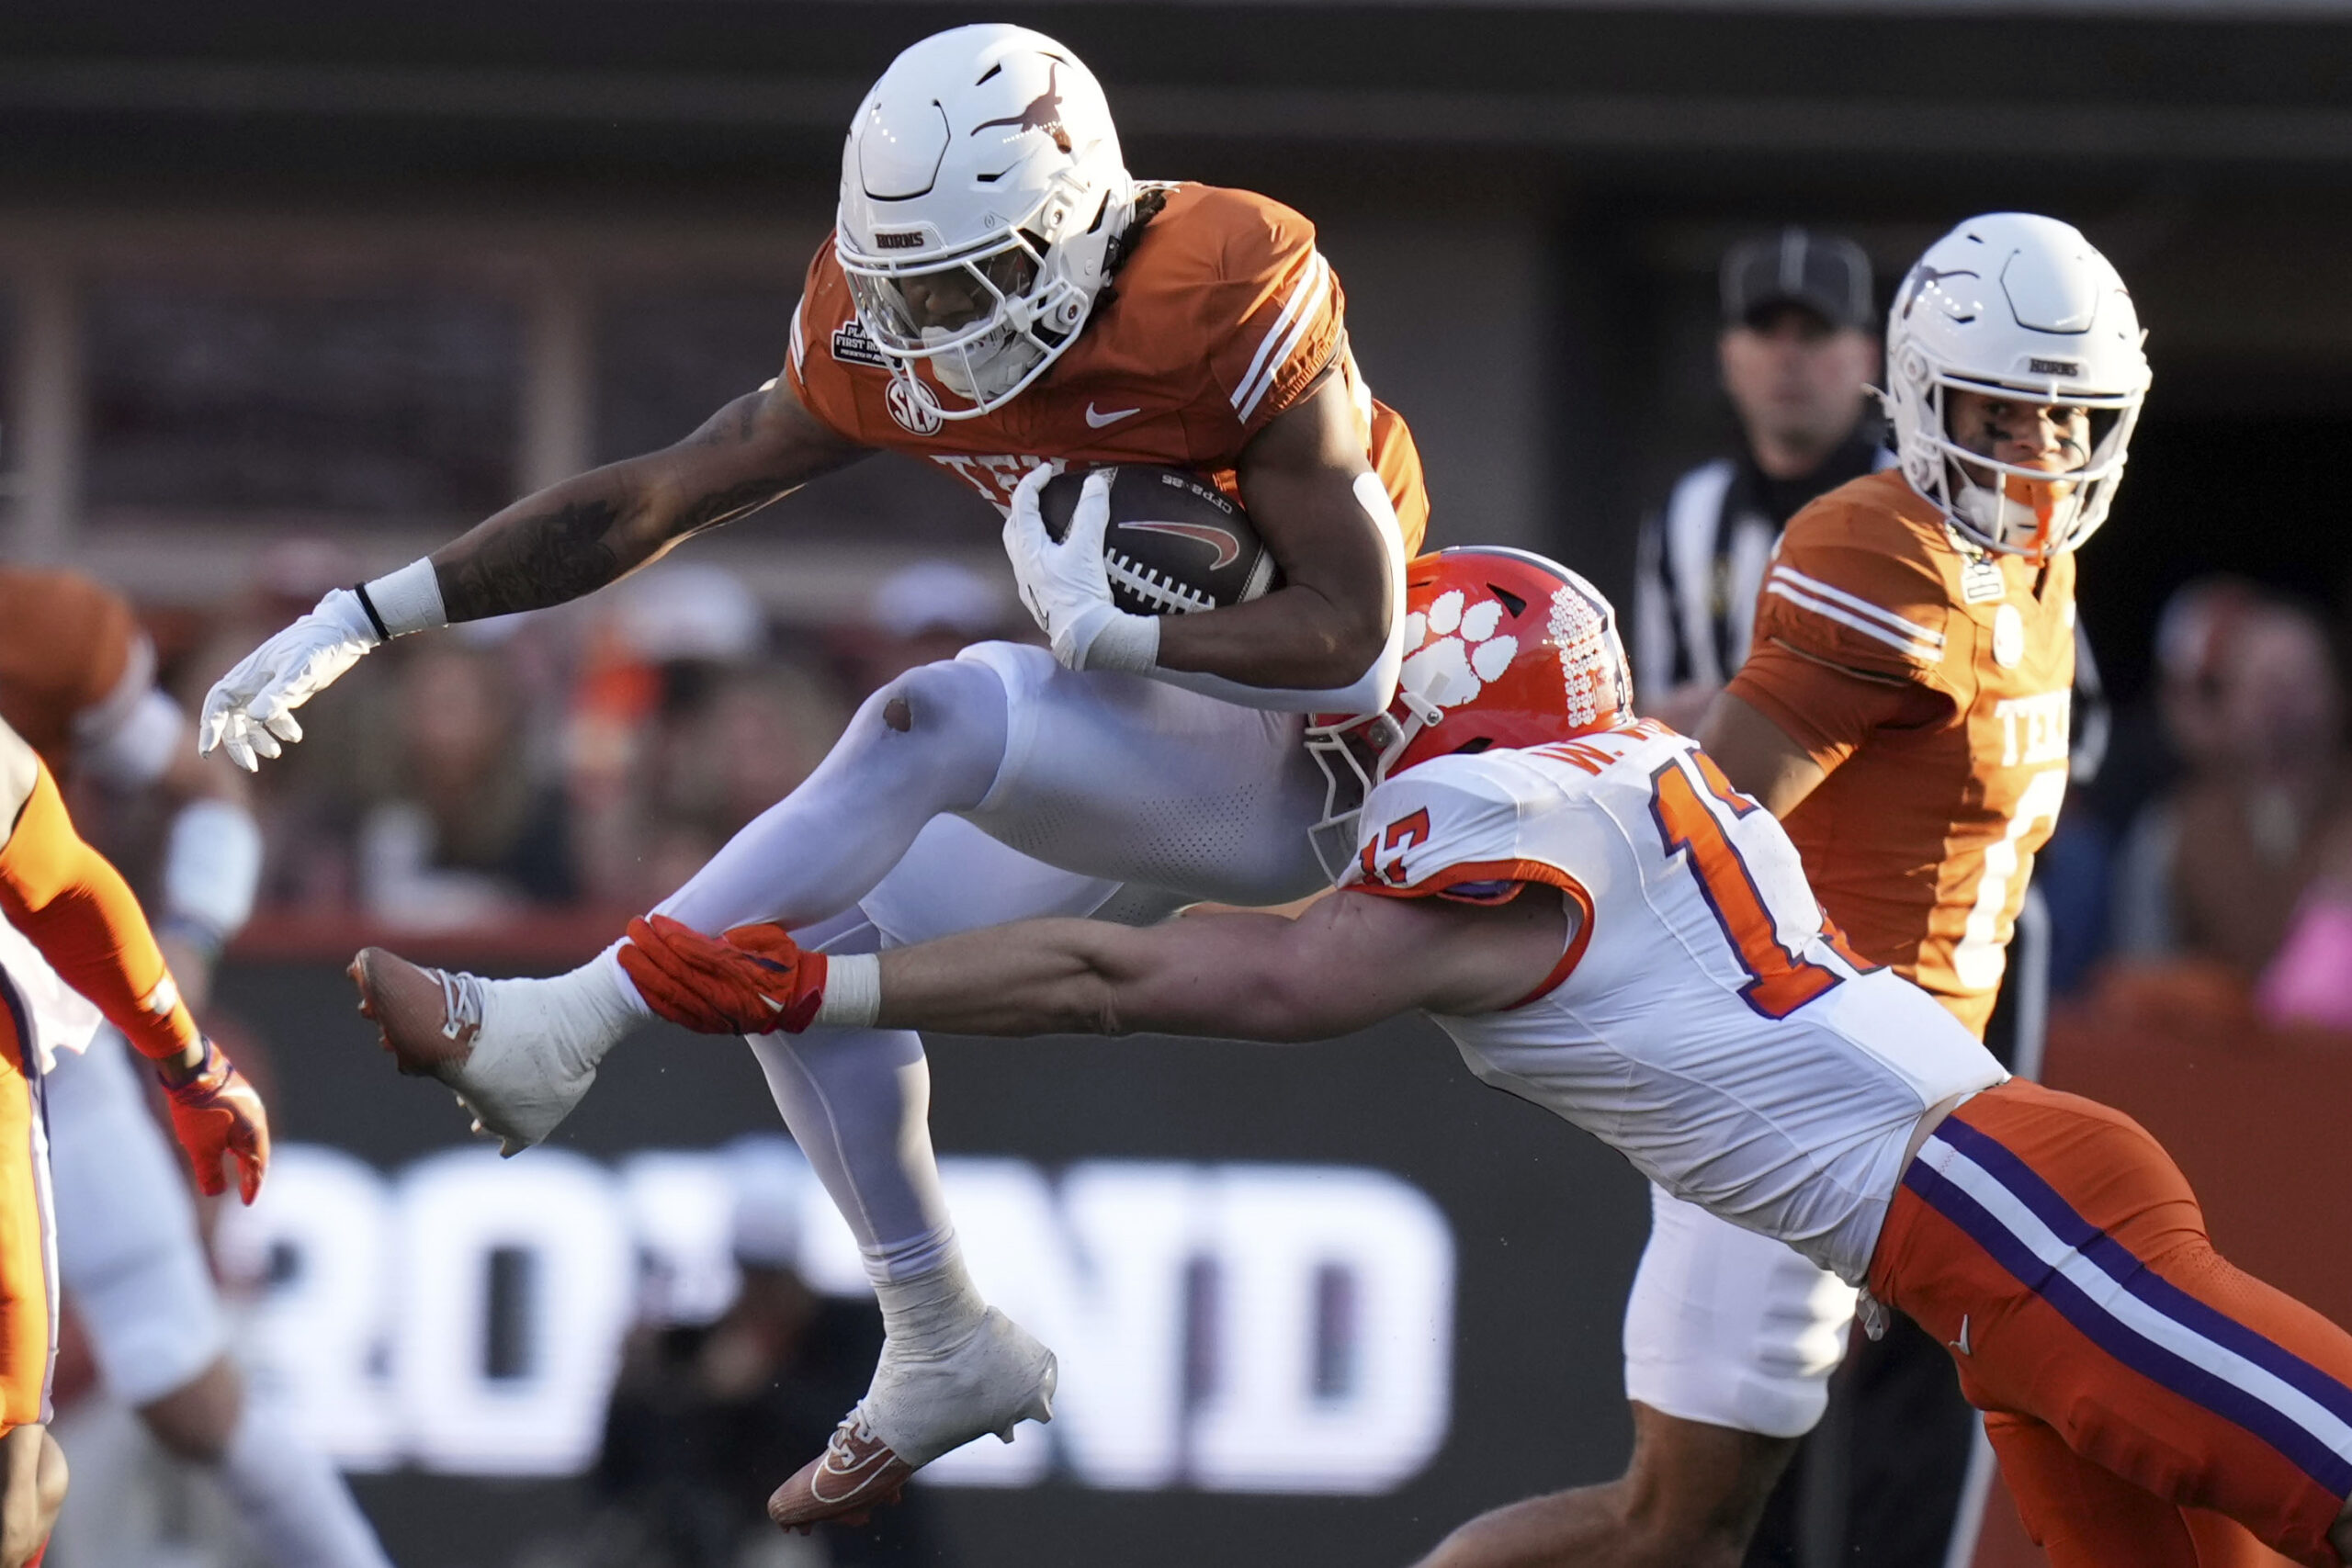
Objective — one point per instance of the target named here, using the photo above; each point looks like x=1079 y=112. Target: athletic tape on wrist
x=1129 y=644
x=852 y=990
x=405 y=601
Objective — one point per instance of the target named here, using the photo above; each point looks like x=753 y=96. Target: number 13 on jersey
x=1780 y=980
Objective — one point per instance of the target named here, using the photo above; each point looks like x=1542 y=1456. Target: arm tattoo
x=536 y=561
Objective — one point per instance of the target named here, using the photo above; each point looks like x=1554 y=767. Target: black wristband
x=383 y=633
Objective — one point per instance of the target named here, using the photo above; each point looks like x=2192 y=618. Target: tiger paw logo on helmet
x=1467 y=654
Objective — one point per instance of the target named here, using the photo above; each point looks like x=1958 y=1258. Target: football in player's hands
x=1175 y=544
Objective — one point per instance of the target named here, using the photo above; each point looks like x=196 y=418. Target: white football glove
x=1065 y=586
x=251 y=709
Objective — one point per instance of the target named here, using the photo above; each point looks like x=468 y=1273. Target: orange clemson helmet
x=1503 y=647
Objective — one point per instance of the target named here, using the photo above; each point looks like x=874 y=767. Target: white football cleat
x=916 y=1411
x=517 y=1056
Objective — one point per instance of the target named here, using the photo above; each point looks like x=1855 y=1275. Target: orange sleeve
x=77 y=910
x=1275 y=314
x=826 y=340
x=1852 y=585
x=1827 y=710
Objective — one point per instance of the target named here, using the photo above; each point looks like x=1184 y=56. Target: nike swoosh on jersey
x=1962 y=1344
x=1099 y=419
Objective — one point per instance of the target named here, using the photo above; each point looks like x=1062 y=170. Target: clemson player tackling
x=999 y=294
x=1608 y=930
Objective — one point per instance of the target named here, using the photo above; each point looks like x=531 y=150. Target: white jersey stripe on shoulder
x=799 y=339
x=1926 y=653
x=1305 y=305
x=1860 y=605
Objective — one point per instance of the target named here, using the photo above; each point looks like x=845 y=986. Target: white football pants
x=1730 y=1328
x=992 y=787
x=130 y=1262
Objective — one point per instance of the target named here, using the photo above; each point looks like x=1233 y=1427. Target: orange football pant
x=28 y=1237
x=2131 y=1379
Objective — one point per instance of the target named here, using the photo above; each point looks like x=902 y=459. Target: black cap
x=1827 y=274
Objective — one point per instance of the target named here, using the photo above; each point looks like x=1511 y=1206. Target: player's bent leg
x=32 y=1489
x=1136 y=780
x=2056 y=1248
x=2083 y=1515
x=521 y=1052
x=1690 y=1498
x=1731 y=1328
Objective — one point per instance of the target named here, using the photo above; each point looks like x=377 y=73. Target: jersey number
x=1779 y=981
x=1982 y=955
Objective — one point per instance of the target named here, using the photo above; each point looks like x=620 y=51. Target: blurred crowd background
x=291 y=294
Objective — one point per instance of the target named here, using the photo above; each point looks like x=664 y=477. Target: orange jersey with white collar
x=1921 y=840
x=1705 y=1020
x=1223 y=315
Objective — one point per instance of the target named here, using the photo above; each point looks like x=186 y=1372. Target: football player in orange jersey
x=997 y=294
x=77 y=681
x=83 y=927
x=1904 y=708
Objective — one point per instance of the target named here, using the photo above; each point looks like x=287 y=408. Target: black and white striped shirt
x=1702 y=559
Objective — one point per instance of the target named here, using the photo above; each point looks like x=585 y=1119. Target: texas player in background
x=72 y=918
x=999 y=294
x=1904 y=708
x=1608 y=930
x=77 y=681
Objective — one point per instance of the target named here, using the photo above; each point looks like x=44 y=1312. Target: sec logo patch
x=911 y=404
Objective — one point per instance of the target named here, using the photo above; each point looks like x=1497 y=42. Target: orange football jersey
x=66 y=645
x=1920 y=840
x=1222 y=317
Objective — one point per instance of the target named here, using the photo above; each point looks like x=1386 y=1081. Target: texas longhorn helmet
x=2015 y=305
x=1503 y=649
x=982 y=198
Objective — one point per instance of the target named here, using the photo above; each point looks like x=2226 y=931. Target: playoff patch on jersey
x=852 y=346
x=1981 y=581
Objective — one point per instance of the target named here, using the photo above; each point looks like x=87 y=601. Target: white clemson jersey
x=1704 y=1021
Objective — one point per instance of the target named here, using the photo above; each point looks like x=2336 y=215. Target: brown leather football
x=1176 y=543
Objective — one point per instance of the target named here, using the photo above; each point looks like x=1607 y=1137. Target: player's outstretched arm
x=74 y=906
x=1350 y=961
x=569 y=539
x=597 y=527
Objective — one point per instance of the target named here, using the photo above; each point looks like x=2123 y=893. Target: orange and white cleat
x=916 y=1411
x=517 y=1056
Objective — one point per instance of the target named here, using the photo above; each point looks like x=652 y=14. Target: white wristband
x=1129 y=644
x=852 y=990
x=409 y=600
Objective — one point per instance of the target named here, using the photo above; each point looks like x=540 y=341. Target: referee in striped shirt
x=1799 y=351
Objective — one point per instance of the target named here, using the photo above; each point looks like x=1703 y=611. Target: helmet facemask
x=1355 y=752
x=2034 y=513
x=986 y=317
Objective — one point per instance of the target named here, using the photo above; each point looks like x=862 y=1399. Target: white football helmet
x=982 y=192
x=2014 y=304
